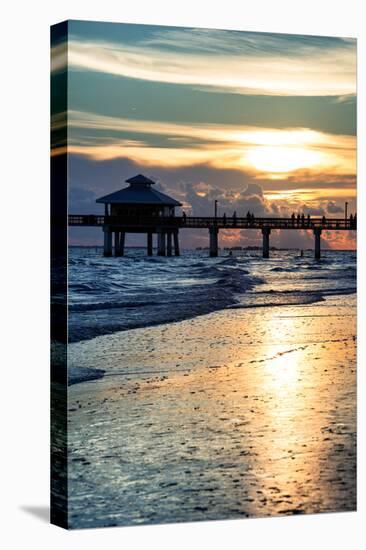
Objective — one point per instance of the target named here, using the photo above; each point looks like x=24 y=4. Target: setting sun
x=282 y=159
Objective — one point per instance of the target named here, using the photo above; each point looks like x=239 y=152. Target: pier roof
x=139 y=192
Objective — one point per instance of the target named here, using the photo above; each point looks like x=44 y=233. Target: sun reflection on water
x=257 y=420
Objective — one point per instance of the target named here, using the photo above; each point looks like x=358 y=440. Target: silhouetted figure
x=298 y=219
x=252 y=218
x=234 y=218
x=302 y=220
x=301 y=253
x=355 y=221
x=249 y=217
x=224 y=219
x=323 y=220
x=351 y=220
x=293 y=218
x=308 y=220
x=230 y=253
x=184 y=217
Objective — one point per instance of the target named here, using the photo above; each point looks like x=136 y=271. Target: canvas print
x=204 y=220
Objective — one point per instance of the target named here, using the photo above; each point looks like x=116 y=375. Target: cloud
x=244 y=63
x=59 y=59
x=196 y=187
x=199 y=199
x=81 y=194
x=252 y=189
x=251 y=44
x=283 y=196
x=333 y=208
x=311 y=210
x=260 y=151
x=81 y=200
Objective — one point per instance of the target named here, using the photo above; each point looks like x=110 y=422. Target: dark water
x=112 y=294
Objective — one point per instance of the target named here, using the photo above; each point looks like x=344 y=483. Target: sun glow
x=270 y=152
x=282 y=159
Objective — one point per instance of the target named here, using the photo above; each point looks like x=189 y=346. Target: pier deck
x=167 y=227
x=200 y=222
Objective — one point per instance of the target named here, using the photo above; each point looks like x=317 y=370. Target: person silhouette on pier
x=324 y=220
x=293 y=218
x=184 y=217
x=224 y=219
x=308 y=220
x=298 y=220
x=351 y=220
x=303 y=219
x=234 y=218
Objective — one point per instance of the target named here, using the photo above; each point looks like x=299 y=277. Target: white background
x=24 y=310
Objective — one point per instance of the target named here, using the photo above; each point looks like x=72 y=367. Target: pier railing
x=222 y=222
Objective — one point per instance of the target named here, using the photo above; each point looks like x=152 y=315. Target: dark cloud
x=199 y=199
x=253 y=189
x=81 y=194
x=333 y=208
x=81 y=200
x=312 y=210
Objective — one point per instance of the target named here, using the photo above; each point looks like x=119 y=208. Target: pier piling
x=122 y=236
x=169 y=243
x=150 y=244
x=116 y=243
x=317 y=233
x=107 y=241
x=266 y=231
x=176 y=243
x=214 y=241
x=119 y=243
x=161 y=242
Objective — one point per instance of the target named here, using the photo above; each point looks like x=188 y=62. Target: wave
x=110 y=305
x=77 y=375
x=283 y=269
x=297 y=300
x=108 y=295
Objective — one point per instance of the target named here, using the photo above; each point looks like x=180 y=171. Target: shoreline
x=85 y=374
x=311 y=298
x=182 y=426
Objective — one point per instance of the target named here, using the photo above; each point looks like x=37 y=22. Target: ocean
x=107 y=295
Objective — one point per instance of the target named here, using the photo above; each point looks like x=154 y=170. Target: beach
x=241 y=412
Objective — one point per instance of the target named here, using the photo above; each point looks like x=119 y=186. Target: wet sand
x=239 y=413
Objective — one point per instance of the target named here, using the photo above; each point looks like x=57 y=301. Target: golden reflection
x=254 y=411
x=283 y=373
x=298 y=395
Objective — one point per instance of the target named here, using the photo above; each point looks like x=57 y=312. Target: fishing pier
x=141 y=209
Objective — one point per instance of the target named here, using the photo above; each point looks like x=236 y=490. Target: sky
x=257 y=121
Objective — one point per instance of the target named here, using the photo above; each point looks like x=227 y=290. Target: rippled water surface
x=109 y=294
